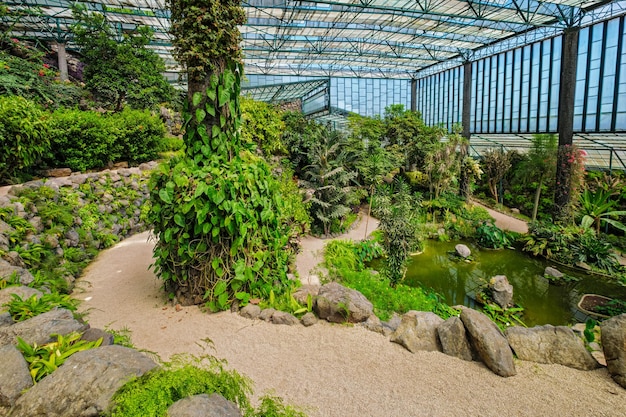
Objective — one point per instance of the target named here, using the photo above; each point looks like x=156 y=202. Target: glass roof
x=343 y=38
x=605 y=151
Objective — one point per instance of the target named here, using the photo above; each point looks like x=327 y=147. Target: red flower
x=46 y=66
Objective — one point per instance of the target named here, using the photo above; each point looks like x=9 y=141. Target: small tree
x=441 y=164
x=496 y=162
x=119 y=71
x=540 y=164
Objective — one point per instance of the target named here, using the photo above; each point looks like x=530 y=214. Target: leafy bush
x=23 y=136
x=488 y=235
x=21 y=309
x=185 y=376
x=81 y=140
x=45 y=359
x=139 y=135
x=262 y=126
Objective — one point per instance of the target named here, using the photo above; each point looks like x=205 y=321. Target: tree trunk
x=537 y=197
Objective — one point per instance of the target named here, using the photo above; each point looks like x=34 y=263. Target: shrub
x=23 y=135
x=21 y=309
x=139 y=135
x=81 y=140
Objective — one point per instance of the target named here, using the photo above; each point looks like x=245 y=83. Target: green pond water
x=457 y=281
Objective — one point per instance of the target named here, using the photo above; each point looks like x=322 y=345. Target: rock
x=308 y=319
x=613 y=336
x=14 y=258
x=502 y=290
x=515 y=211
x=281 y=317
x=5 y=228
x=4 y=243
x=453 y=339
x=72 y=237
x=267 y=314
x=250 y=311
x=93 y=334
x=84 y=384
x=57 y=172
x=14 y=375
x=374 y=324
x=418 y=331
x=40 y=328
x=301 y=295
x=553 y=272
x=392 y=324
x=204 y=405
x=462 y=250
x=7 y=270
x=488 y=342
x=23 y=292
x=339 y=304
x=550 y=344
x=6 y=320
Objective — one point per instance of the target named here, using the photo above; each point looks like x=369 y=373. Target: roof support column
x=413 y=94
x=62 y=61
x=466 y=113
x=567 y=89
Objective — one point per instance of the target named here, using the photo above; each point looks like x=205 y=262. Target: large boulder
x=14 y=375
x=40 y=328
x=453 y=338
x=338 y=304
x=22 y=291
x=418 y=331
x=204 y=405
x=550 y=344
x=488 y=342
x=84 y=384
x=502 y=290
x=613 y=336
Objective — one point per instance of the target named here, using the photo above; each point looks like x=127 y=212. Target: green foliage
x=495 y=162
x=81 y=140
x=442 y=164
x=504 y=317
x=263 y=126
x=295 y=212
x=121 y=337
x=23 y=136
x=589 y=333
x=286 y=302
x=330 y=180
x=21 y=309
x=299 y=137
x=488 y=235
x=612 y=308
x=272 y=406
x=152 y=394
x=45 y=359
x=597 y=207
x=139 y=135
x=119 y=71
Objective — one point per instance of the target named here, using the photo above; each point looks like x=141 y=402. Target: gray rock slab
x=14 y=375
x=550 y=344
x=40 y=328
x=84 y=384
x=250 y=311
x=7 y=270
x=462 y=250
x=453 y=338
x=488 y=342
x=308 y=320
x=418 y=331
x=267 y=314
x=613 y=336
x=338 y=304
x=282 y=317
x=204 y=405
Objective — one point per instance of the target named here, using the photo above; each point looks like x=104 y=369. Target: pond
x=457 y=281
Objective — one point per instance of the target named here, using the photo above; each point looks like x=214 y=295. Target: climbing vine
x=217 y=212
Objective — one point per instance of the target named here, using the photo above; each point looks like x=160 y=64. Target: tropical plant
x=119 y=71
x=597 y=207
x=23 y=136
x=504 y=317
x=441 y=164
x=488 y=235
x=299 y=136
x=23 y=309
x=329 y=180
x=45 y=359
x=262 y=126
x=496 y=162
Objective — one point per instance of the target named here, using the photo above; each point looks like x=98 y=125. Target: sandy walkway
x=332 y=370
x=505 y=222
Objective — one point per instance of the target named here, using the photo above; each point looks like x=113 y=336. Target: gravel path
x=331 y=370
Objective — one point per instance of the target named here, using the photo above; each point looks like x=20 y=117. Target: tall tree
x=217 y=212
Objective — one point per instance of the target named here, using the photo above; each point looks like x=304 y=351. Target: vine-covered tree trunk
x=217 y=211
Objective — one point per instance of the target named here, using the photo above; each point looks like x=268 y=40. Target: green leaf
x=222 y=300
x=200 y=115
x=209 y=108
x=223 y=95
x=179 y=220
x=220 y=288
x=210 y=92
x=215 y=131
x=197 y=98
x=166 y=195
